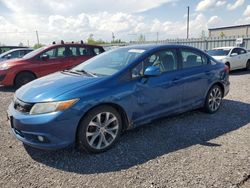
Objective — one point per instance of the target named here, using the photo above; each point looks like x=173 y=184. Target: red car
x=44 y=61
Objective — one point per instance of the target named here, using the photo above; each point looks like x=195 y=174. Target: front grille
x=22 y=106
x=2 y=77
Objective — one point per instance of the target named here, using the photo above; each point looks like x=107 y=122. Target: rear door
x=77 y=54
x=195 y=75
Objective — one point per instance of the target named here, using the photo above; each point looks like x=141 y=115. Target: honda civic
x=90 y=105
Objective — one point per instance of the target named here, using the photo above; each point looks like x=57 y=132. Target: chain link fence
x=204 y=43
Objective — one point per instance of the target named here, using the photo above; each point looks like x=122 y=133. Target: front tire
x=99 y=130
x=213 y=99
x=248 y=65
x=23 y=78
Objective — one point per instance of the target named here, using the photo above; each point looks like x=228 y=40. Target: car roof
x=156 y=46
x=17 y=49
x=227 y=47
x=70 y=44
x=13 y=46
x=13 y=50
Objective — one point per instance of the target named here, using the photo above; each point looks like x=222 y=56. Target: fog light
x=40 y=138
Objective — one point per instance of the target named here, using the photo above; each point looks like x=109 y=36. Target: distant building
x=238 y=30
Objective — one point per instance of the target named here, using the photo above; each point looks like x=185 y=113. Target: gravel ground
x=193 y=149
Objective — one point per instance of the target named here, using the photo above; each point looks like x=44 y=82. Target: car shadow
x=239 y=72
x=148 y=142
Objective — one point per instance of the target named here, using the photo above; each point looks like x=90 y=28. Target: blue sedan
x=91 y=104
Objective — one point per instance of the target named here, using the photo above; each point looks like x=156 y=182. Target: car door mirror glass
x=8 y=56
x=44 y=57
x=152 y=71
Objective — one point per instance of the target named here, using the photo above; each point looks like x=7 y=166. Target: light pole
x=37 y=37
x=187 y=22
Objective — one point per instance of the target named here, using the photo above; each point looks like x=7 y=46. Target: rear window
x=191 y=58
x=97 y=50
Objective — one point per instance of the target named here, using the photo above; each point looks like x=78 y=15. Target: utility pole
x=157 y=37
x=37 y=37
x=113 y=37
x=187 y=22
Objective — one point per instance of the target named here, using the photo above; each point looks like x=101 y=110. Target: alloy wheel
x=102 y=130
x=214 y=99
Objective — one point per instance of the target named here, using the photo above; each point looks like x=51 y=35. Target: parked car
x=45 y=60
x=233 y=57
x=7 y=48
x=15 y=53
x=91 y=104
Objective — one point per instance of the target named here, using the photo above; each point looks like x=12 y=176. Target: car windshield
x=109 y=63
x=33 y=53
x=219 y=52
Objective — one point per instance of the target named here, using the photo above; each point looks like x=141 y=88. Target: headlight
x=4 y=66
x=42 y=108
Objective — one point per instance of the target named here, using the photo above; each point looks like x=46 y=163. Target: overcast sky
x=75 y=19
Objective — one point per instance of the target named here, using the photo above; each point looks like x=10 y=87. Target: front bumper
x=6 y=78
x=57 y=129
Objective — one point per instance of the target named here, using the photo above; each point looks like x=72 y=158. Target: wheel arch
x=228 y=64
x=219 y=84
x=126 y=123
x=23 y=71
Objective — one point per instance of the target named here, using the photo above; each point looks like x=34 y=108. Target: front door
x=160 y=95
x=56 y=60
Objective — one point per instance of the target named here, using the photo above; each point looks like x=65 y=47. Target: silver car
x=15 y=53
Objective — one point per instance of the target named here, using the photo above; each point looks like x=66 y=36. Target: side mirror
x=44 y=57
x=234 y=54
x=8 y=56
x=152 y=71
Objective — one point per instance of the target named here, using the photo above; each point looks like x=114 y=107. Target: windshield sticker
x=136 y=51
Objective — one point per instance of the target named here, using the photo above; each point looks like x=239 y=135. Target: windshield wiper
x=71 y=71
x=85 y=72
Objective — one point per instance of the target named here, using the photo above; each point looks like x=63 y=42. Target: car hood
x=219 y=57
x=49 y=87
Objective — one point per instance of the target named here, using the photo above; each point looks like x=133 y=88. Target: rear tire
x=99 y=130
x=23 y=78
x=213 y=99
x=248 y=65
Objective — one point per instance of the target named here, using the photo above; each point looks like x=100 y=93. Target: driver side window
x=235 y=51
x=166 y=60
x=54 y=53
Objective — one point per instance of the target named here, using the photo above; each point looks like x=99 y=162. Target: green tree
x=222 y=34
x=36 y=46
x=91 y=39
